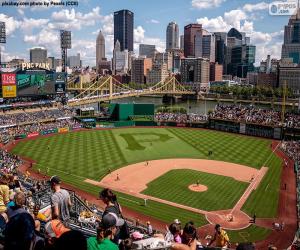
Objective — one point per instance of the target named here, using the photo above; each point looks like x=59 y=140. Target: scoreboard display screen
x=39 y=84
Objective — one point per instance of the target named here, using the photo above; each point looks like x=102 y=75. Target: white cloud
x=46 y=38
x=234 y=18
x=256 y=7
x=30 y=24
x=139 y=34
x=153 y=21
x=70 y=19
x=206 y=4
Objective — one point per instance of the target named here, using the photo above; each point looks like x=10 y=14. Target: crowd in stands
x=32 y=117
x=247 y=114
x=179 y=118
x=236 y=113
x=7 y=134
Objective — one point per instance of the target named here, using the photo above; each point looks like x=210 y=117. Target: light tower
x=2 y=36
x=65 y=44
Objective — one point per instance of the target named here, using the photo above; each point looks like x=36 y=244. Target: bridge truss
x=108 y=88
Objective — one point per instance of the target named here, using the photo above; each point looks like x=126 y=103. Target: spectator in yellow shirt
x=221 y=238
x=4 y=193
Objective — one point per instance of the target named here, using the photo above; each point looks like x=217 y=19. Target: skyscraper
x=291 y=45
x=182 y=42
x=172 y=36
x=192 y=40
x=100 y=49
x=38 y=55
x=221 y=41
x=209 y=47
x=123 y=29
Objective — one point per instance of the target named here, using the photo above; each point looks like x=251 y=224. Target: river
x=193 y=106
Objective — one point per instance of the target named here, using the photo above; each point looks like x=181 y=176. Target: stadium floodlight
x=2 y=36
x=65 y=44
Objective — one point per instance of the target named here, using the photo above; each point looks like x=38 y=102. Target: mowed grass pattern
x=243 y=150
x=223 y=192
x=87 y=154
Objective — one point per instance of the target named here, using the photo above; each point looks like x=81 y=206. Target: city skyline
x=27 y=28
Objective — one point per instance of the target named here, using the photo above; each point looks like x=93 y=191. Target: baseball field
x=239 y=174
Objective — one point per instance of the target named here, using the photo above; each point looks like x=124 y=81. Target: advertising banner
x=181 y=125
x=76 y=127
x=63 y=130
x=33 y=134
x=60 y=87
x=9 y=91
x=8 y=79
x=18 y=137
x=49 y=131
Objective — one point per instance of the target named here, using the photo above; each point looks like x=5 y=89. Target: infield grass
x=222 y=193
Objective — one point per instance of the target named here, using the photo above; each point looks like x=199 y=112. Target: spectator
x=245 y=246
x=73 y=240
x=189 y=238
x=60 y=200
x=175 y=230
x=55 y=228
x=4 y=193
x=20 y=201
x=149 y=228
x=106 y=233
x=112 y=206
x=20 y=234
x=221 y=237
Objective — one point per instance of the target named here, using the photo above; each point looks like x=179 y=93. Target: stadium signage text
x=36 y=65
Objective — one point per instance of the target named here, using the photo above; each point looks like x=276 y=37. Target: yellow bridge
x=108 y=88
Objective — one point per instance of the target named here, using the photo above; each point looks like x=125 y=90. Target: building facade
x=195 y=70
x=242 y=60
x=158 y=73
x=290 y=77
x=74 y=61
x=139 y=69
x=291 y=45
x=123 y=29
x=172 y=36
x=147 y=50
x=100 y=49
x=38 y=55
x=193 y=40
x=209 y=47
x=215 y=72
x=166 y=57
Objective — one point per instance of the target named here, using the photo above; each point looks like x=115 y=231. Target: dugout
x=127 y=111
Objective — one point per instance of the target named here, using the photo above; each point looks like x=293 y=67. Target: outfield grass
x=223 y=192
x=264 y=200
x=248 y=151
x=91 y=154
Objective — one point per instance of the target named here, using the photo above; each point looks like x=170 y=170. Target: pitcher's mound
x=197 y=188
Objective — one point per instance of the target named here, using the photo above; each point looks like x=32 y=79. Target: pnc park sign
x=35 y=65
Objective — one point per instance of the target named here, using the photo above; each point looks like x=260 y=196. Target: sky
x=37 y=26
